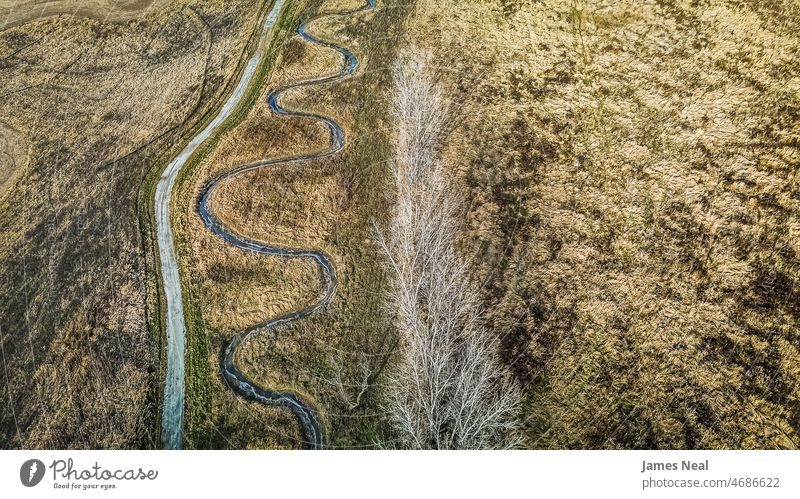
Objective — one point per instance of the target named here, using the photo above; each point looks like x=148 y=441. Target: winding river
x=172 y=421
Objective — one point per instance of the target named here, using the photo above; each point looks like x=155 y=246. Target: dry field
x=16 y=12
x=333 y=359
x=89 y=108
x=632 y=169
x=13 y=156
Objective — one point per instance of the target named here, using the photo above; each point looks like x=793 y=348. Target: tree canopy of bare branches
x=449 y=389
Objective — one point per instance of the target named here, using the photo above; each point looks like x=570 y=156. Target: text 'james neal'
x=684 y=466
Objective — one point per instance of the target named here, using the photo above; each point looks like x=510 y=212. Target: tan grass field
x=98 y=103
x=632 y=169
x=328 y=205
x=15 y=12
x=633 y=215
x=13 y=156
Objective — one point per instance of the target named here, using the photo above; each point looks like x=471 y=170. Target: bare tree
x=449 y=389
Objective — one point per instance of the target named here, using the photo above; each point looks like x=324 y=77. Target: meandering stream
x=174 y=392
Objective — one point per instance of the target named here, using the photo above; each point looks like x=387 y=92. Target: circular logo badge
x=31 y=472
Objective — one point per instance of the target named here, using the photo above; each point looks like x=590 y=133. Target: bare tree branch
x=450 y=390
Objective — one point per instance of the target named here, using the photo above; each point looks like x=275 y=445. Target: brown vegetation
x=99 y=104
x=632 y=180
x=332 y=359
x=13 y=156
x=633 y=170
x=16 y=12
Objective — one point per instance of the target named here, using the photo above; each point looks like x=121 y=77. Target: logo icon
x=31 y=472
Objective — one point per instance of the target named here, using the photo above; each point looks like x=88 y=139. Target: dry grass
x=13 y=156
x=331 y=359
x=16 y=12
x=98 y=104
x=633 y=170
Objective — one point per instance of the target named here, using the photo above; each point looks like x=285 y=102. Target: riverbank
x=330 y=360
